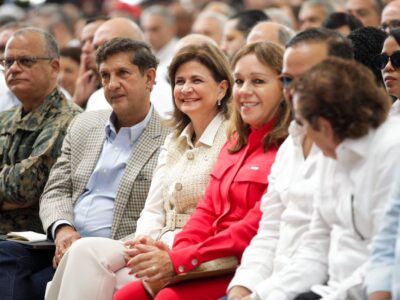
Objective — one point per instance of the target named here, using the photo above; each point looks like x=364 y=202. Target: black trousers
x=24 y=272
x=308 y=296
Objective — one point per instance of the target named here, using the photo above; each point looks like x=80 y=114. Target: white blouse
x=287 y=208
x=395 y=109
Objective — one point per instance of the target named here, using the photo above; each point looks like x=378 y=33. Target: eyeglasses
x=302 y=123
x=286 y=81
x=382 y=59
x=390 y=25
x=23 y=61
x=298 y=122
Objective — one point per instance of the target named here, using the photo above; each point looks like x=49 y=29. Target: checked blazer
x=80 y=152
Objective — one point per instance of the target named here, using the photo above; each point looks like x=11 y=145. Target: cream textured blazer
x=180 y=180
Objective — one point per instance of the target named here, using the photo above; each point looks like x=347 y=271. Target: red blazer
x=227 y=218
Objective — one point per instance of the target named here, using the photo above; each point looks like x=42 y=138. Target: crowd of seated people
x=231 y=150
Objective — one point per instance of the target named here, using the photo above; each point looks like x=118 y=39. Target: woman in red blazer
x=227 y=218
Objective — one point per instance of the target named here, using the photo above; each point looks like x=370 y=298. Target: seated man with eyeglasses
x=31 y=135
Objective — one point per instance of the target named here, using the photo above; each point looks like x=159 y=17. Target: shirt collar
x=166 y=52
x=259 y=133
x=133 y=132
x=33 y=119
x=350 y=149
x=297 y=133
x=208 y=136
x=395 y=109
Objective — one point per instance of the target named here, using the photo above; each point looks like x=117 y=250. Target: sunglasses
x=390 y=25
x=23 y=61
x=286 y=81
x=382 y=59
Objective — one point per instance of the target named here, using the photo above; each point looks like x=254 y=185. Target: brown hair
x=215 y=61
x=140 y=53
x=73 y=53
x=271 y=55
x=346 y=94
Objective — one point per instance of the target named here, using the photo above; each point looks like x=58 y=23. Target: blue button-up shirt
x=93 y=211
x=384 y=269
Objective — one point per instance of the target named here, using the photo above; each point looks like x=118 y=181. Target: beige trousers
x=92 y=269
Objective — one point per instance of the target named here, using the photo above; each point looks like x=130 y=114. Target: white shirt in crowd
x=350 y=197
x=161 y=95
x=287 y=209
x=97 y=101
x=7 y=99
x=395 y=110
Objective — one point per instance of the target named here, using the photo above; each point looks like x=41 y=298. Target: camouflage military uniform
x=29 y=146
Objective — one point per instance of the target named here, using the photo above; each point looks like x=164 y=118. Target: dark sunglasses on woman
x=382 y=59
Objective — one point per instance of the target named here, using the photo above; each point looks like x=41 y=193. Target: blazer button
x=190 y=156
x=195 y=262
x=181 y=269
x=178 y=186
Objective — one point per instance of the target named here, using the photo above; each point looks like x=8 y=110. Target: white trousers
x=92 y=269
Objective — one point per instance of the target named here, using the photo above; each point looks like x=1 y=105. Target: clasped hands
x=150 y=262
x=65 y=236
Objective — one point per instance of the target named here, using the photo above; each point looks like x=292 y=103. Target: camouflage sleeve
x=22 y=183
x=56 y=200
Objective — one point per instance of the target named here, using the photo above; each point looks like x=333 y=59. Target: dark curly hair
x=346 y=94
x=368 y=43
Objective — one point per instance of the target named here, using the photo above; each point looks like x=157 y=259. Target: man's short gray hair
x=285 y=34
x=50 y=42
x=221 y=19
x=161 y=11
x=326 y=5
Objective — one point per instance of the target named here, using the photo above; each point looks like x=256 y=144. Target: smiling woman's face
x=195 y=91
x=257 y=91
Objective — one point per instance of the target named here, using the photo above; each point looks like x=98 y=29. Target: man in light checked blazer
x=99 y=184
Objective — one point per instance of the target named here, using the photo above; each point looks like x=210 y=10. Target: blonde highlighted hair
x=270 y=55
